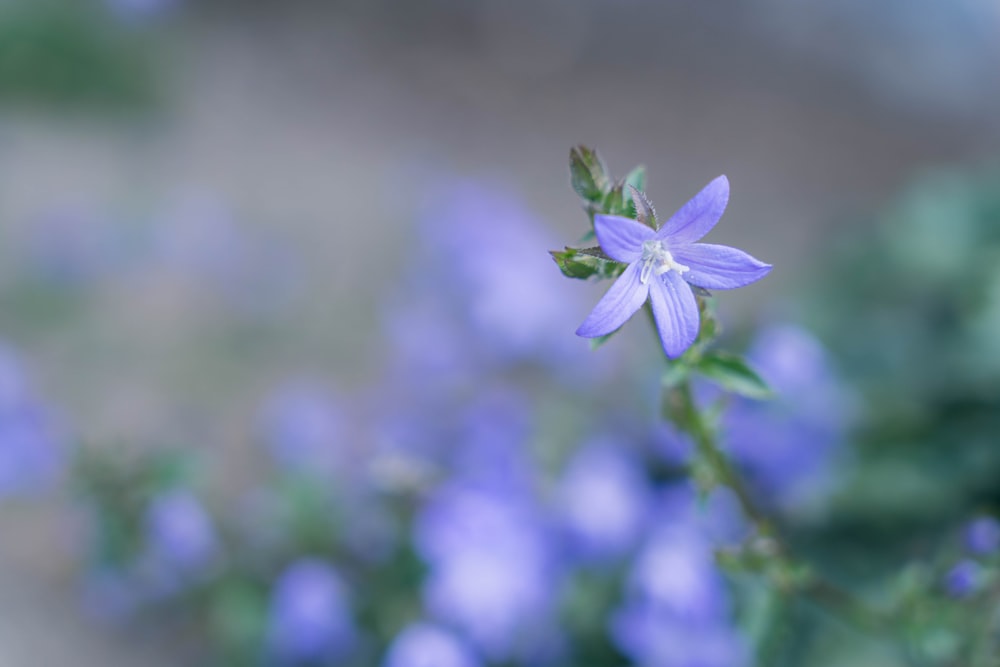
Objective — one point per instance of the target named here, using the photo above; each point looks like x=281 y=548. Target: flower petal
x=621 y=238
x=718 y=266
x=624 y=298
x=697 y=217
x=676 y=313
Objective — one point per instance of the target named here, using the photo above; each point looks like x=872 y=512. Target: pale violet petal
x=697 y=217
x=676 y=313
x=621 y=238
x=624 y=298
x=718 y=266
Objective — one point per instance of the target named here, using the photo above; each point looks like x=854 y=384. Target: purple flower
x=74 y=246
x=963 y=579
x=504 y=289
x=676 y=572
x=652 y=638
x=132 y=10
x=426 y=645
x=786 y=445
x=677 y=610
x=490 y=571
x=309 y=618
x=110 y=595
x=604 y=499
x=304 y=427
x=662 y=262
x=982 y=535
x=491 y=442
x=180 y=533
x=31 y=446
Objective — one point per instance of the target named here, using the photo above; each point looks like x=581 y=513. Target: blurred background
x=251 y=251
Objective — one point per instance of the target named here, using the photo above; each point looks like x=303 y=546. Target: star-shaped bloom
x=663 y=262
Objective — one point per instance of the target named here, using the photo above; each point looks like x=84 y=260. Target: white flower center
x=657 y=259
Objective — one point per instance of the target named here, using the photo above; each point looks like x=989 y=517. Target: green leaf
x=586 y=263
x=733 y=374
x=588 y=174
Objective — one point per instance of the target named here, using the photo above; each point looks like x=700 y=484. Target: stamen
x=655 y=257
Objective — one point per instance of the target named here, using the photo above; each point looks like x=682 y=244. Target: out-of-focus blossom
x=491 y=442
x=653 y=638
x=963 y=579
x=604 y=500
x=197 y=238
x=304 y=428
x=676 y=572
x=310 y=620
x=110 y=595
x=661 y=264
x=180 y=534
x=426 y=645
x=518 y=305
x=677 y=609
x=490 y=568
x=982 y=535
x=786 y=444
x=73 y=247
x=135 y=10
x=31 y=448
x=672 y=445
x=426 y=347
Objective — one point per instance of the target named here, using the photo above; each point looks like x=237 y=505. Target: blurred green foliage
x=71 y=54
x=912 y=309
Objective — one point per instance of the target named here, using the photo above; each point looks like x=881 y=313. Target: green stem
x=708 y=451
x=680 y=406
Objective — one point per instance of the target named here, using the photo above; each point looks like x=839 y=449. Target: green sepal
x=601 y=340
x=587 y=263
x=588 y=174
x=733 y=374
x=676 y=373
x=642 y=207
x=635 y=179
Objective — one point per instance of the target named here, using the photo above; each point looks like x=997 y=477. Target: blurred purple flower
x=31 y=447
x=425 y=645
x=427 y=347
x=963 y=579
x=677 y=608
x=310 y=620
x=676 y=572
x=662 y=262
x=304 y=428
x=490 y=568
x=517 y=305
x=786 y=445
x=490 y=445
x=180 y=534
x=132 y=10
x=198 y=238
x=110 y=595
x=604 y=500
x=74 y=246
x=652 y=638
x=673 y=445
x=982 y=535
